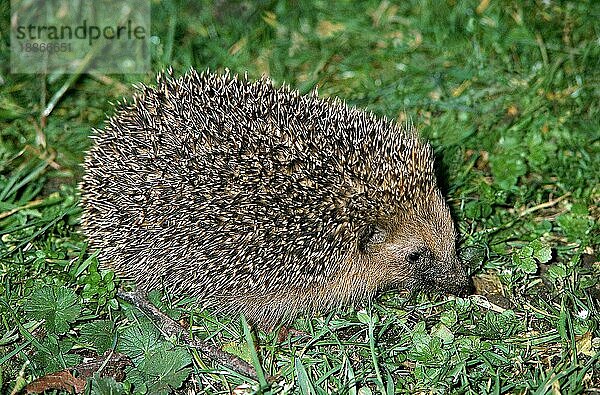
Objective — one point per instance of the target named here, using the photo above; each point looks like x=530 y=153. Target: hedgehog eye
x=371 y=234
x=416 y=255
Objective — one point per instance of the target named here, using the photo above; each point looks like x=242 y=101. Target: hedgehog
x=257 y=200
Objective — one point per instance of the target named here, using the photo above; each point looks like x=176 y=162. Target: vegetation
x=506 y=91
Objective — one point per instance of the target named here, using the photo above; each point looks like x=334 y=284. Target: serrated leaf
x=105 y=386
x=448 y=317
x=57 y=305
x=507 y=169
x=573 y=225
x=579 y=209
x=544 y=254
x=165 y=368
x=477 y=209
x=139 y=341
x=541 y=252
x=526 y=252
x=137 y=380
x=526 y=264
x=100 y=334
x=557 y=271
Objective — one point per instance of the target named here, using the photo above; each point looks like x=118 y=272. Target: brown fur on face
x=420 y=249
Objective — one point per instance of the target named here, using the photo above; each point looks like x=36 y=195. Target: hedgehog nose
x=456 y=282
x=463 y=286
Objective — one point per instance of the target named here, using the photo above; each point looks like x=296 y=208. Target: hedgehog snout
x=452 y=278
x=430 y=272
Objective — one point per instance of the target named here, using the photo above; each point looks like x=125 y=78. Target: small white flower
x=583 y=314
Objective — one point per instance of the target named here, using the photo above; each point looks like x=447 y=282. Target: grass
x=506 y=91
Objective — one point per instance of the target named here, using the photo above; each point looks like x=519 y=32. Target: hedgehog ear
x=370 y=235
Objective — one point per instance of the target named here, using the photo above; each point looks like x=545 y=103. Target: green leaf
x=529 y=265
x=507 y=169
x=541 y=252
x=579 y=209
x=426 y=348
x=365 y=391
x=54 y=355
x=100 y=334
x=526 y=252
x=253 y=353
x=160 y=367
x=526 y=264
x=557 y=271
x=574 y=225
x=306 y=386
x=498 y=326
x=440 y=330
x=448 y=317
x=562 y=324
x=468 y=345
x=165 y=369
x=139 y=341
x=105 y=386
x=238 y=349
x=587 y=281
x=136 y=380
x=363 y=316
x=57 y=305
x=478 y=209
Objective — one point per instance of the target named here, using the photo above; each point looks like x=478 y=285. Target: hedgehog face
x=419 y=248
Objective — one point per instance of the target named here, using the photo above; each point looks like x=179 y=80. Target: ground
x=507 y=93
